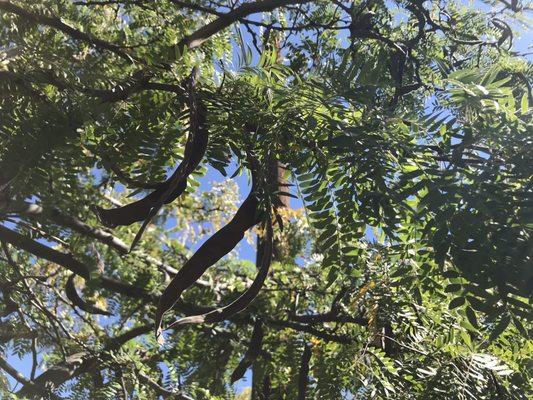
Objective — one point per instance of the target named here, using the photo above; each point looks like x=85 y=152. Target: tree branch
x=35 y=210
x=329 y=337
x=328 y=317
x=160 y=390
x=196 y=38
x=14 y=373
x=79 y=363
x=40 y=250
x=56 y=23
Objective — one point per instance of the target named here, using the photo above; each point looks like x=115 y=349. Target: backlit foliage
x=402 y=133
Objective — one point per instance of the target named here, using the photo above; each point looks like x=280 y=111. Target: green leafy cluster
x=403 y=131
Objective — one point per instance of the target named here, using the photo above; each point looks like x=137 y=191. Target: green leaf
x=344 y=141
x=524 y=103
x=332 y=276
x=520 y=327
x=498 y=329
x=451 y=274
x=457 y=302
x=454 y=287
x=466 y=338
x=287 y=194
x=471 y=315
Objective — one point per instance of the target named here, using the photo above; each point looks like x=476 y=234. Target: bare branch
x=40 y=250
x=14 y=373
x=160 y=390
x=196 y=38
x=35 y=210
x=79 y=363
x=328 y=317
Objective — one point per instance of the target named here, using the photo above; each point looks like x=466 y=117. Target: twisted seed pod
x=146 y=208
x=244 y=299
x=216 y=247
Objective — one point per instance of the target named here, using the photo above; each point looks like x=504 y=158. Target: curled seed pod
x=244 y=299
x=147 y=207
x=216 y=247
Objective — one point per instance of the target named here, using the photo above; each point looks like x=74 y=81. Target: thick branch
x=269 y=26
x=122 y=90
x=196 y=38
x=187 y=277
x=14 y=373
x=79 y=363
x=40 y=250
x=68 y=261
x=34 y=210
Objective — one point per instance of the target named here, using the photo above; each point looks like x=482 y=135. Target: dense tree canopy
x=400 y=269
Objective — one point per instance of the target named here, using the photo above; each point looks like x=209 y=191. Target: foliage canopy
x=402 y=128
